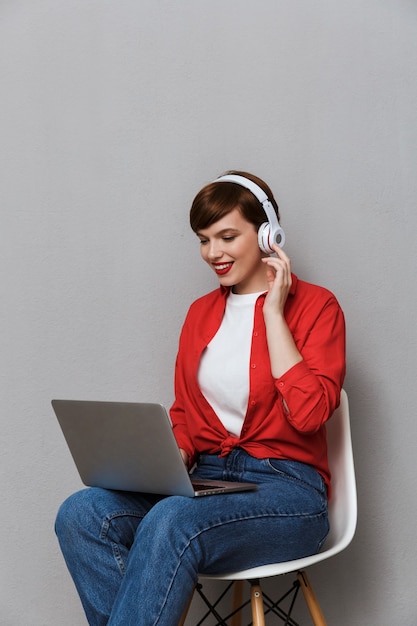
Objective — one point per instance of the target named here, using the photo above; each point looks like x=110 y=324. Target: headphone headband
x=257 y=191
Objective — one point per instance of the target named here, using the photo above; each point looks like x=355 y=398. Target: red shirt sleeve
x=310 y=390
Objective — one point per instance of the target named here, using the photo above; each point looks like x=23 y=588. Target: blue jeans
x=135 y=558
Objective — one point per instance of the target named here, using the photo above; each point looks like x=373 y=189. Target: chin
x=226 y=283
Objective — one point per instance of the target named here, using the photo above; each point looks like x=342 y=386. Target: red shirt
x=285 y=416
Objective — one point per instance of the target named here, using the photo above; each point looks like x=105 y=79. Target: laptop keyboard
x=204 y=486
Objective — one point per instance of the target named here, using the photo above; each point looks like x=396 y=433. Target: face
x=230 y=247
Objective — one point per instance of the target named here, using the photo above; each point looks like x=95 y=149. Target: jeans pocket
x=299 y=472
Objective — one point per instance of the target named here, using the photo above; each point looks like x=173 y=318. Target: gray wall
x=112 y=116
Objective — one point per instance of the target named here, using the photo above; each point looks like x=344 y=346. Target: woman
x=260 y=366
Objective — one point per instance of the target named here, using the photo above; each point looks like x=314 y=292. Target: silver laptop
x=130 y=446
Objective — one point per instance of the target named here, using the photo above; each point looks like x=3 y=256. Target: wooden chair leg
x=185 y=613
x=237 y=602
x=258 y=616
x=311 y=600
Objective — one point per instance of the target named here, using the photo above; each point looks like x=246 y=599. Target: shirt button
x=253 y=366
x=280 y=384
x=252 y=403
x=255 y=334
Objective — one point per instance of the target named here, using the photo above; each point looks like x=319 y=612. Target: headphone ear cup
x=266 y=238
x=279 y=237
x=263 y=237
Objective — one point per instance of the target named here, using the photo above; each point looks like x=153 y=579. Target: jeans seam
x=109 y=518
x=104 y=535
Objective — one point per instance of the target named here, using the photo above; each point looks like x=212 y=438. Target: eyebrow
x=221 y=232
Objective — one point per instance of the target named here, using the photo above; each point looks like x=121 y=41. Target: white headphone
x=269 y=232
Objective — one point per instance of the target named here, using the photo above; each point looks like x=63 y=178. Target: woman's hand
x=279 y=281
x=184 y=456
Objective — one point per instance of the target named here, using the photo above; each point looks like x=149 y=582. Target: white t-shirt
x=223 y=374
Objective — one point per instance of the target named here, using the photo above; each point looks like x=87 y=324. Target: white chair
x=342 y=516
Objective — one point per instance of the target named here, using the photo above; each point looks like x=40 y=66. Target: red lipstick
x=222 y=268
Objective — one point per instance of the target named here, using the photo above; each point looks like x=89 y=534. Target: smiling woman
x=259 y=371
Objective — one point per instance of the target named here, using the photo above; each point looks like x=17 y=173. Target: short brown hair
x=217 y=199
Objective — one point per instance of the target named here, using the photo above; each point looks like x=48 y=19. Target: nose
x=211 y=250
x=214 y=251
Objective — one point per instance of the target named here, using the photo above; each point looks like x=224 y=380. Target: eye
x=229 y=238
x=203 y=242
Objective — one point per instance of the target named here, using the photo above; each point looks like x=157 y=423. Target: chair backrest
x=343 y=503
